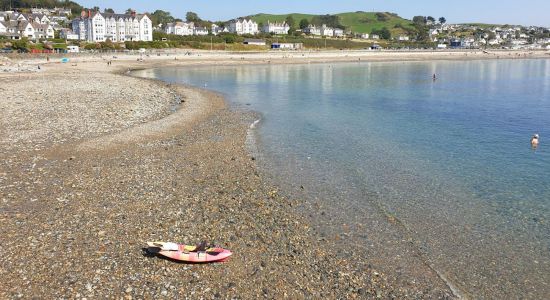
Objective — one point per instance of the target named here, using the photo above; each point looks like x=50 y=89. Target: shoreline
x=75 y=219
x=187 y=57
x=166 y=180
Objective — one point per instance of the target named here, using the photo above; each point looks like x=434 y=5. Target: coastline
x=108 y=189
x=186 y=57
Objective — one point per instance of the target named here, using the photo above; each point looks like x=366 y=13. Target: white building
x=73 y=49
x=289 y=46
x=243 y=27
x=30 y=30
x=200 y=31
x=68 y=34
x=338 y=32
x=60 y=19
x=43 y=31
x=312 y=30
x=364 y=36
x=257 y=42
x=42 y=11
x=99 y=27
x=403 y=38
x=38 y=18
x=327 y=31
x=218 y=29
x=276 y=28
x=180 y=28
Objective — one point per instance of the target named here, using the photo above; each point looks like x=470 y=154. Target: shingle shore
x=94 y=164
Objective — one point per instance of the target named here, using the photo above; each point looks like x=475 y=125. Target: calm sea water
x=448 y=160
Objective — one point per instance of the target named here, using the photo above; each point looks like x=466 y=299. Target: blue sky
x=528 y=12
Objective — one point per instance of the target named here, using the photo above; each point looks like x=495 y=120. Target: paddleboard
x=188 y=253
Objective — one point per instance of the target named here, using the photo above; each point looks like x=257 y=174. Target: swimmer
x=434 y=77
x=535 y=141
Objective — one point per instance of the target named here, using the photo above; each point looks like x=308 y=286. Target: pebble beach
x=95 y=163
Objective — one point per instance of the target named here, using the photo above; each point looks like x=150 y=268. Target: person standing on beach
x=535 y=141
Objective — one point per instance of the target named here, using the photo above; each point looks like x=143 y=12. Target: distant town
x=61 y=30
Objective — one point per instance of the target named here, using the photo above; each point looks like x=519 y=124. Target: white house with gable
x=218 y=29
x=338 y=32
x=200 y=31
x=180 y=28
x=276 y=28
x=327 y=31
x=243 y=26
x=68 y=34
x=312 y=30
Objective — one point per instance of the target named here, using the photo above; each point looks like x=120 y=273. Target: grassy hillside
x=361 y=22
x=263 y=18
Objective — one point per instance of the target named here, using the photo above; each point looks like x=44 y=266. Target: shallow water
x=448 y=161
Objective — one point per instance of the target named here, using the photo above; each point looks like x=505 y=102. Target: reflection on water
x=449 y=161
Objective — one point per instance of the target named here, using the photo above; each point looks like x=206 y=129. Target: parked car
x=6 y=50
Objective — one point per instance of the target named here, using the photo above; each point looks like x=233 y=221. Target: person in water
x=535 y=141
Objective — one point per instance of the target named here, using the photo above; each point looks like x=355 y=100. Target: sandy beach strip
x=95 y=163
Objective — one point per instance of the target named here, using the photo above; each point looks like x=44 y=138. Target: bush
x=22 y=44
x=91 y=46
x=229 y=39
x=382 y=17
x=384 y=33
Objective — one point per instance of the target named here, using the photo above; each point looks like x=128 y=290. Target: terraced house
x=14 y=25
x=100 y=27
x=26 y=29
x=243 y=26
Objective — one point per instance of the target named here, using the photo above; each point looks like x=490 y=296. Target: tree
x=20 y=44
x=20 y=4
x=431 y=19
x=419 y=20
x=109 y=10
x=304 y=23
x=290 y=21
x=96 y=8
x=329 y=20
x=129 y=11
x=229 y=39
x=161 y=17
x=192 y=17
x=442 y=20
x=384 y=33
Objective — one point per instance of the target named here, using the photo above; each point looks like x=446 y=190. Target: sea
x=407 y=167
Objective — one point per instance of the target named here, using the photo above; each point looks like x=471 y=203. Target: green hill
x=360 y=22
